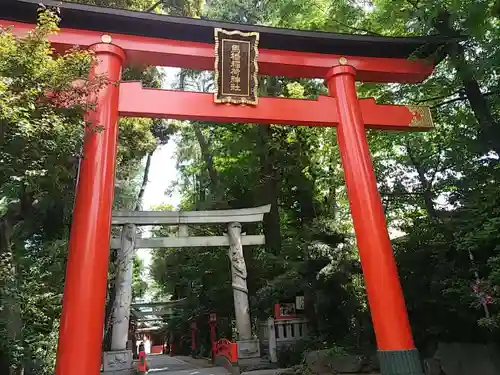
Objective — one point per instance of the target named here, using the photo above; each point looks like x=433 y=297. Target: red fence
x=157 y=349
x=227 y=349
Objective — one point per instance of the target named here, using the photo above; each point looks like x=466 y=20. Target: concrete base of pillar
x=248 y=349
x=117 y=362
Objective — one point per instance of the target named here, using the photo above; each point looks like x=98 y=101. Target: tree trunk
x=4 y=313
x=268 y=193
x=426 y=185
x=305 y=197
x=489 y=132
x=217 y=194
x=144 y=183
x=489 y=127
x=11 y=313
x=11 y=307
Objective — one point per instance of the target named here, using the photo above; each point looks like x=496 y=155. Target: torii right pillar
x=396 y=349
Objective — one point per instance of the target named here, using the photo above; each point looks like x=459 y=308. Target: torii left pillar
x=80 y=334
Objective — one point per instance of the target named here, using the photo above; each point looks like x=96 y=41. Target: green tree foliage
x=296 y=170
x=444 y=184
x=439 y=189
x=40 y=145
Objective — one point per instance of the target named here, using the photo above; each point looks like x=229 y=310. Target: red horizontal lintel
x=136 y=101
x=165 y=52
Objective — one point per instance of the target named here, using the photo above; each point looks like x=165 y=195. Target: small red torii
x=121 y=37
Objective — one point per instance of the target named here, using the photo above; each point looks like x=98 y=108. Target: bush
x=290 y=355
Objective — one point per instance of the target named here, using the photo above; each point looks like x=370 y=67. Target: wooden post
x=213 y=334
x=397 y=352
x=121 y=307
x=273 y=356
x=193 y=338
x=193 y=341
x=82 y=318
x=239 y=282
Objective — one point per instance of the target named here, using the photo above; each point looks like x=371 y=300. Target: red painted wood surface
x=84 y=296
x=136 y=101
x=164 y=52
x=213 y=333
x=385 y=297
x=193 y=338
x=157 y=349
x=228 y=349
x=278 y=316
x=82 y=319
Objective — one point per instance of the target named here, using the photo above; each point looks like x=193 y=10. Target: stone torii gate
x=120 y=358
x=121 y=37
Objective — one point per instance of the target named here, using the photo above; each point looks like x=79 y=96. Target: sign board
x=299 y=302
x=236 y=67
x=421 y=116
x=287 y=309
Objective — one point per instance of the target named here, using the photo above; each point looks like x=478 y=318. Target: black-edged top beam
x=109 y=20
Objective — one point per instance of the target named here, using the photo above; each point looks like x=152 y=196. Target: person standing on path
x=142 y=365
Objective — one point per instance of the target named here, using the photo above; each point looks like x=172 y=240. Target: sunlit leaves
x=42 y=100
x=438 y=188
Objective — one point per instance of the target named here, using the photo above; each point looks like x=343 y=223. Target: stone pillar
x=120 y=359
x=248 y=348
x=121 y=307
x=239 y=282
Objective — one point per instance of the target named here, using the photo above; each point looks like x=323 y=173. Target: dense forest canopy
x=440 y=189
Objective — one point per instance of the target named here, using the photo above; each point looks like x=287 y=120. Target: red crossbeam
x=136 y=101
x=164 y=52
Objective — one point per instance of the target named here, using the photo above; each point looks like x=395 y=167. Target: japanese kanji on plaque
x=236 y=67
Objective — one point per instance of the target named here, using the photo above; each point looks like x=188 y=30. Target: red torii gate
x=119 y=36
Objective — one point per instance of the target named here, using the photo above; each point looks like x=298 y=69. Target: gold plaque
x=236 y=67
x=421 y=116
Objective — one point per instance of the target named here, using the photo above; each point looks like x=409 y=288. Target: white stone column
x=239 y=282
x=121 y=307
